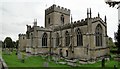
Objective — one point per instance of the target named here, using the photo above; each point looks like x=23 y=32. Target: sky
x=16 y=14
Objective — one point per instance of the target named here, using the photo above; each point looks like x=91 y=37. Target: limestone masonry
x=82 y=39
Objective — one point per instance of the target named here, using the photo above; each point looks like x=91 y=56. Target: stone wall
x=54 y=13
x=87 y=27
x=119 y=13
x=22 y=42
x=0 y=48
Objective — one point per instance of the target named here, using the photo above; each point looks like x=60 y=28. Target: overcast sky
x=16 y=14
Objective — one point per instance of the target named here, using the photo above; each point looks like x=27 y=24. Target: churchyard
x=26 y=60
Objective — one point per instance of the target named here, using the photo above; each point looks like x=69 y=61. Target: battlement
x=80 y=21
x=55 y=8
x=22 y=35
x=92 y=19
x=96 y=19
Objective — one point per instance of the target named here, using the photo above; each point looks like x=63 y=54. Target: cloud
x=16 y=14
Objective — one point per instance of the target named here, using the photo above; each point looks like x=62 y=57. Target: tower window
x=28 y=35
x=49 y=20
x=62 y=19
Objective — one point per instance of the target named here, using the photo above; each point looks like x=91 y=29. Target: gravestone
x=62 y=62
x=103 y=62
x=19 y=56
x=45 y=64
x=42 y=57
x=49 y=58
x=6 y=51
x=23 y=57
x=56 y=59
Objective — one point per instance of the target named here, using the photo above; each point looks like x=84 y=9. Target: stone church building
x=82 y=39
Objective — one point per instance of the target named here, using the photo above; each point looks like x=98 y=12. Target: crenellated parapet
x=70 y=25
x=97 y=19
x=22 y=35
x=78 y=23
x=57 y=9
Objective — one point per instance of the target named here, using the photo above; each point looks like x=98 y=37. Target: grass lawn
x=110 y=63
x=37 y=61
x=0 y=52
x=33 y=61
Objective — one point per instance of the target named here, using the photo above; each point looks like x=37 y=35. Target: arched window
x=62 y=19
x=67 y=38
x=57 y=39
x=98 y=35
x=44 y=40
x=79 y=38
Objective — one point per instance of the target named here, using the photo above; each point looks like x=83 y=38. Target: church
x=82 y=39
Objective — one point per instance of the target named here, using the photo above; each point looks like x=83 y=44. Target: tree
x=111 y=43
x=3 y=46
x=117 y=37
x=16 y=44
x=8 y=42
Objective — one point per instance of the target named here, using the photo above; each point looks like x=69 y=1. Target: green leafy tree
x=16 y=44
x=117 y=37
x=111 y=43
x=8 y=42
x=3 y=46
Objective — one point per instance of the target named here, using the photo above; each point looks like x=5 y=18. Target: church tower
x=56 y=16
x=119 y=13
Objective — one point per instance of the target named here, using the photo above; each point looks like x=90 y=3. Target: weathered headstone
x=103 y=62
x=6 y=51
x=23 y=58
x=56 y=59
x=19 y=56
x=45 y=64
x=49 y=58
